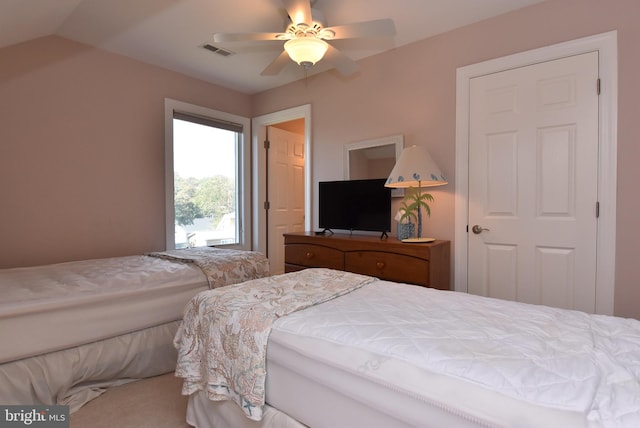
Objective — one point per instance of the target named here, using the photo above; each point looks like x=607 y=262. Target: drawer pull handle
x=380 y=265
x=309 y=255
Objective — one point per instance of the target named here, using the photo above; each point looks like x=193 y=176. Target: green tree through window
x=205 y=170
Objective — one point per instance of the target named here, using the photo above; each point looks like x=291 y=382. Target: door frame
x=606 y=46
x=259 y=169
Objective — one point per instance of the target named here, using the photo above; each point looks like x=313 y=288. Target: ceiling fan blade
x=247 y=37
x=345 y=65
x=376 y=28
x=277 y=65
x=299 y=11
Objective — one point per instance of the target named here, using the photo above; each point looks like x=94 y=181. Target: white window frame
x=243 y=178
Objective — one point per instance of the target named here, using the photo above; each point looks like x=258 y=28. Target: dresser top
x=350 y=242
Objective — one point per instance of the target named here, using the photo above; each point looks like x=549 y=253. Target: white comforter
x=549 y=357
x=54 y=307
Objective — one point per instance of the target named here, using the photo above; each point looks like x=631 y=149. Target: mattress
x=323 y=384
x=53 y=307
x=393 y=354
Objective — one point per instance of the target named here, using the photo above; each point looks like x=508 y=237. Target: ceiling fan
x=306 y=38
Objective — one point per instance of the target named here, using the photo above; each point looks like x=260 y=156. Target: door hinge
x=597 y=209
x=267 y=144
x=598 y=86
x=267 y=205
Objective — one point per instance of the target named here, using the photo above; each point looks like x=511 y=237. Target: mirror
x=372 y=159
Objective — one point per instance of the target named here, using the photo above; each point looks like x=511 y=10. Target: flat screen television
x=354 y=205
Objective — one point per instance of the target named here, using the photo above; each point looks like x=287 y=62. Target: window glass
x=204 y=177
x=205 y=189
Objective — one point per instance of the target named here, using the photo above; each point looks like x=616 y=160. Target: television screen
x=355 y=205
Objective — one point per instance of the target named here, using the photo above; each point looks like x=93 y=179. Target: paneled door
x=533 y=169
x=285 y=177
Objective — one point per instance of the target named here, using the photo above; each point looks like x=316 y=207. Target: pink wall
x=82 y=131
x=82 y=150
x=411 y=91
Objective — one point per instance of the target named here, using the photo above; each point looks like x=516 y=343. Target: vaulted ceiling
x=172 y=33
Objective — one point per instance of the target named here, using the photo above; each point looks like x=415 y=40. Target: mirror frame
x=395 y=140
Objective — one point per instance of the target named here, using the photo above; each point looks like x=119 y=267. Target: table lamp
x=416 y=169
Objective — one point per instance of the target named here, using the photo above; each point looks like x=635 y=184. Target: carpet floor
x=149 y=403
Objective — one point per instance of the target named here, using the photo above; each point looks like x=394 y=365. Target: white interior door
x=533 y=177
x=286 y=181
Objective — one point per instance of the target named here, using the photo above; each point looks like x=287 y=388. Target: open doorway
x=285 y=187
x=281 y=180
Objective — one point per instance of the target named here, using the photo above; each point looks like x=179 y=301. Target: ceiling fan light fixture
x=306 y=51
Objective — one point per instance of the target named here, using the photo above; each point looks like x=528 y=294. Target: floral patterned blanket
x=221 y=266
x=222 y=341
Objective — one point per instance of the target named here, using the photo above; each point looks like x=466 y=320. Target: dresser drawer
x=310 y=255
x=389 y=259
x=389 y=266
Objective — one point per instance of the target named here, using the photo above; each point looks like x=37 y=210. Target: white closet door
x=533 y=170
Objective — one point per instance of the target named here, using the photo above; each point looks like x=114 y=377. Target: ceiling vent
x=218 y=50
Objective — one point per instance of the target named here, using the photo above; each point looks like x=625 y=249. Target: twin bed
x=70 y=330
x=318 y=348
x=381 y=354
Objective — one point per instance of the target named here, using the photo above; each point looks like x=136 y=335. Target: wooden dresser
x=389 y=259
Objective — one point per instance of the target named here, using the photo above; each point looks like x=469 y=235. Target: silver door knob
x=477 y=229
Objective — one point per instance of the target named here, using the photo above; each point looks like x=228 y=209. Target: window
x=206 y=177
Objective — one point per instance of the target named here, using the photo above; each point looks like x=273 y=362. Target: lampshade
x=415 y=168
x=306 y=51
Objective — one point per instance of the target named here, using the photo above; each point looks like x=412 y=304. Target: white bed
x=69 y=330
x=397 y=355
